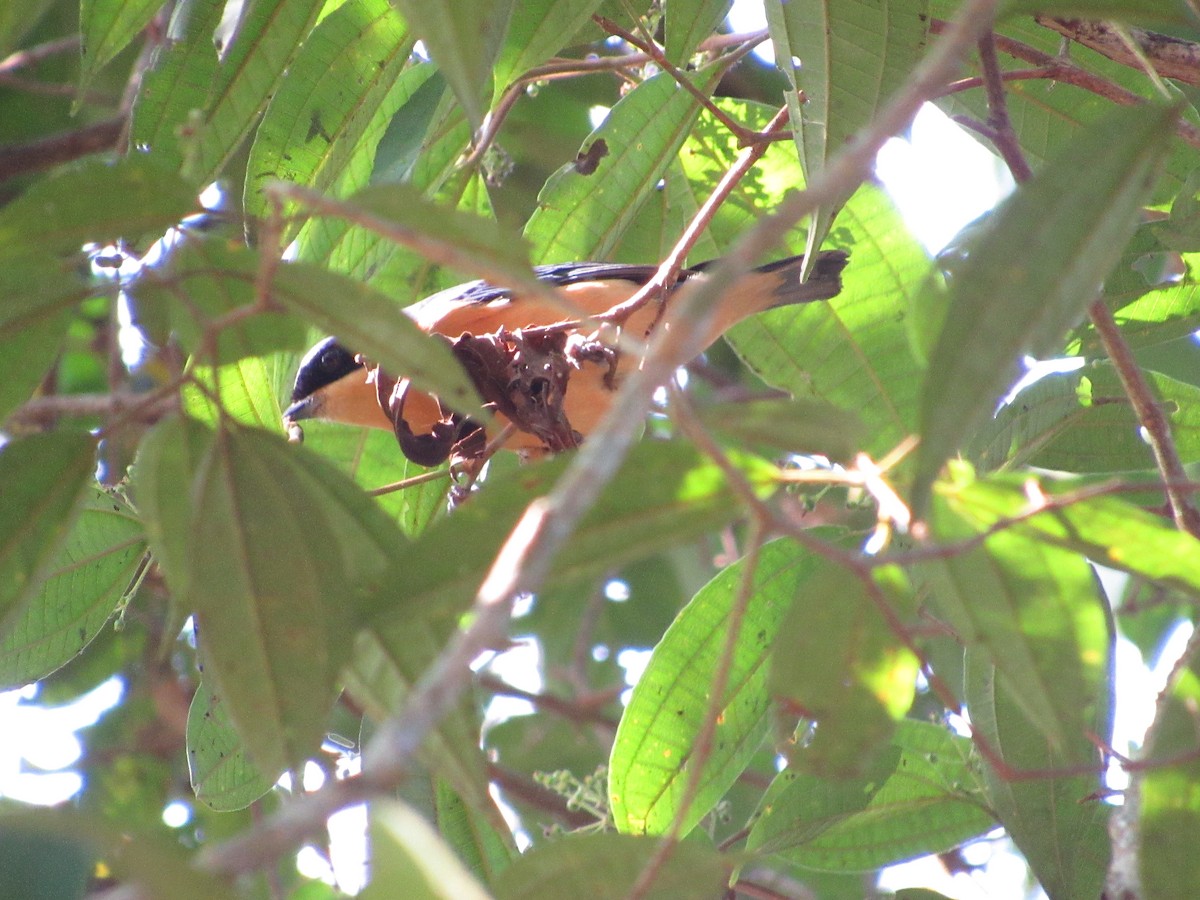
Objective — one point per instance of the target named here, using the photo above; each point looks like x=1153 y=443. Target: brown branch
x=574 y=68
x=1150 y=414
x=1171 y=57
x=46 y=153
x=582 y=712
x=23 y=59
x=42 y=412
x=1070 y=73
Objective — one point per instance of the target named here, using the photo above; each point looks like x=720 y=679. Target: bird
x=335 y=384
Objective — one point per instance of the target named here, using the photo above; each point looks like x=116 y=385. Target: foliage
x=865 y=577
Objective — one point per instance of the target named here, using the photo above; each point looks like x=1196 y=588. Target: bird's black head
x=325 y=364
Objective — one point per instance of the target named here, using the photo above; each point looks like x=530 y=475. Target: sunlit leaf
x=651 y=757
x=221 y=775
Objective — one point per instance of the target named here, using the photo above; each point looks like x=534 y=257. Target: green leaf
x=1030 y=274
x=44 y=478
x=665 y=494
x=165 y=109
x=1103 y=434
x=17 y=20
x=1031 y=610
x=1169 y=821
x=651 y=755
x=334 y=105
x=1109 y=530
x=853 y=351
x=1058 y=822
x=374 y=326
x=94 y=202
x=464 y=40
x=584 y=216
x=410 y=859
x=688 y=22
x=106 y=29
x=278 y=545
x=83 y=585
x=269 y=38
x=836 y=660
x=845 y=58
x=923 y=796
x=568 y=868
x=221 y=775
x=537 y=31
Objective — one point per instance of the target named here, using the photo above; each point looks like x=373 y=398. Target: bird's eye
x=333 y=359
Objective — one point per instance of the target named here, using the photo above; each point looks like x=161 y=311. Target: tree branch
x=1170 y=57
x=46 y=153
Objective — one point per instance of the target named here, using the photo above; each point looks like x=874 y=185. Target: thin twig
x=22 y=59
x=745 y=136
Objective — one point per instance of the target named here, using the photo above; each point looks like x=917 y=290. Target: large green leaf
x=1031 y=610
x=463 y=39
x=40 y=295
x=334 y=104
x=583 y=216
x=1030 y=273
x=278 y=546
x=43 y=478
x=83 y=584
x=852 y=351
x=409 y=858
x=844 y=59
x=1056 y=820
x=923 y=796
x=837 y=660
x=651 y=759
x=269 y=38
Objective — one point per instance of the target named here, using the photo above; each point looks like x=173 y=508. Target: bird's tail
x=786 y=288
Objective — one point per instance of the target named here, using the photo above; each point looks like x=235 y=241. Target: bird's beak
x=307 y=408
